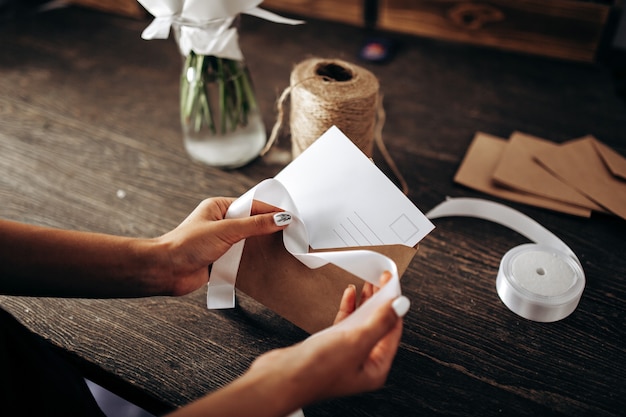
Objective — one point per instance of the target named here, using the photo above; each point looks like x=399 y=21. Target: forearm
x=253 y=394
x=45 y=261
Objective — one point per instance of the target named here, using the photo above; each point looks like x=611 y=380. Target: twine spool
x=332 y=92
x=327 y=92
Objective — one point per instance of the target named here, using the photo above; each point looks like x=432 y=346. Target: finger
x=257 y=225
x=385 y=278
x=389 y=343
x=213 y=208
x=382 y=354
x=348 y=303
x=366 y=292
x=369 y=289
x=383 y=321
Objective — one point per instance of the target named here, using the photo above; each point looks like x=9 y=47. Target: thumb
x=384 y=323
x=259 y=224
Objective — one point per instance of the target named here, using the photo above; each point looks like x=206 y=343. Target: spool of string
x=327 y=92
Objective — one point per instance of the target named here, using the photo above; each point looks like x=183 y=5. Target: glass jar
x=221 y=122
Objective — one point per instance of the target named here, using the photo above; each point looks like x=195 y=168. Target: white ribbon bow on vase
x=209 y=30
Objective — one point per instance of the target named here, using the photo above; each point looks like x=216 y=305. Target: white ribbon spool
x=541 y=281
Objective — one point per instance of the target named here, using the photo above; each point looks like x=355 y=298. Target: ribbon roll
x=365 y=264
x=541 y=281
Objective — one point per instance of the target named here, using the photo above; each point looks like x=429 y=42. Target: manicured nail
x=282 y=219
x=401 y=305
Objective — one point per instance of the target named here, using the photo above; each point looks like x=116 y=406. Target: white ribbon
x=222 y=42
x=159 y=28
x=208 y=31
x=542 y=281
x=365 y=264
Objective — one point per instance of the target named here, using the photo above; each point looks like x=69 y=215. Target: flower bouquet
x=221 y=122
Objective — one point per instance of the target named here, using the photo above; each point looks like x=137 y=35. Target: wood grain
x=123 y=7
x=559 y=28
x=566 y=29
x=347 y=11
x=88 y=108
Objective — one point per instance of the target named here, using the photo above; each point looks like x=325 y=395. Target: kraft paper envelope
x=480 y=162
x=614 y=161
x=578 y=163
x=518 y=169
x=309 y=298
x=341 y=201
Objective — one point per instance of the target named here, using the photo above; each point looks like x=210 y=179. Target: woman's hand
x=37 y=260
x=339 y=363
x=205 y=235
x=329 y=364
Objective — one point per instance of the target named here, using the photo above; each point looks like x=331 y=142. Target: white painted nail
x=401 y=305
x=282 y=219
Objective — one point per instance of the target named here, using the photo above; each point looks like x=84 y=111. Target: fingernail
x=282 y=219
x=401 y=305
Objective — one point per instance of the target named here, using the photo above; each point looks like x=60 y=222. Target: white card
x=345 y=200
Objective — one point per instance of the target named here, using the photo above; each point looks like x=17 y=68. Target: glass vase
x=221 y=122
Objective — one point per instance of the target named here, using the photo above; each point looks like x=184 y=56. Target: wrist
x=259 y=393
x=152 y=266
x=274 y=388
x=283 y=376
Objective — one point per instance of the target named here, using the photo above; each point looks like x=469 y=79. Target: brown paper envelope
x=614 y=161
x=518 y=169
x=309 y=298
x=578 y=163
x=479 y=164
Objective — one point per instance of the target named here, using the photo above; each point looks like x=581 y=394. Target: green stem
x=238 y=112
x=235 y=97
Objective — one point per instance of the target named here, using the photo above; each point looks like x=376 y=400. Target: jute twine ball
x=327 y=92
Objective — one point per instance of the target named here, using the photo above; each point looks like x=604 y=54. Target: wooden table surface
x=88 y=109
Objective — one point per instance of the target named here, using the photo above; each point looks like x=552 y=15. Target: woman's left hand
x=205 y=235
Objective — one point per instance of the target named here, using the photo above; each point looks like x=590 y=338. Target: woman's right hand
x=339 y=363
x=329 y=364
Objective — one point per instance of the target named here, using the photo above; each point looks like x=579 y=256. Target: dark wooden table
x=88 y=109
